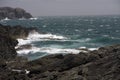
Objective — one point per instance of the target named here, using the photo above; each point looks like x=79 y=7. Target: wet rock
x=28 y=46
x=83 y=66
x=15 y=31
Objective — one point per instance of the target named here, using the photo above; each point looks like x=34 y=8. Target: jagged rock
x=15 y=31
x=101 y=64
x=13 y=13
x=8 y=55
x=7 y=47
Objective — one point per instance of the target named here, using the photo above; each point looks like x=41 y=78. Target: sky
x=66 y=7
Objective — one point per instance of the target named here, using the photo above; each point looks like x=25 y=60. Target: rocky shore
x=13 y=13
x=101 y=64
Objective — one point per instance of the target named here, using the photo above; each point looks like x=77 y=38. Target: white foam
x=92 y=49
x=83 y=47
x=90 y=30
x=33 y=18
x=6 y=19
x=22 y=18
x=89 y=49
x=24 y=41
x=48 y=50
x=36 y=36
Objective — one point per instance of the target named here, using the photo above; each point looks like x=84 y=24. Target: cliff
x=13 y=13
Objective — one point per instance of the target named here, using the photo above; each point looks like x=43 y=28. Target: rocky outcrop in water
x=13 y=13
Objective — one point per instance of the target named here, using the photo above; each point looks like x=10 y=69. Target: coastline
x=93 y=65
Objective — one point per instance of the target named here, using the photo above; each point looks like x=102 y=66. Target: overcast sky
x=66 y=7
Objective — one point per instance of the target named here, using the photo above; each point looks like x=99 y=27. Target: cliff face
x=13 y=13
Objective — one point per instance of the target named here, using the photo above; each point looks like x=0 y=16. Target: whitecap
x=23 y=41
x=44 y=26
x=90 y=30
x=83 y=47
x=6 y=19
x=50 y=50
x=92 y=49
x=35 y=36
x=87 y=39
x=105 y=35
x=22 y=18
x=38 y=36
x=77 y=30
x=101 y=25
x=87 y=49
x=33 y=18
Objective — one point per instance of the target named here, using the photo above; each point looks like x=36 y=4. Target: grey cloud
x=66 y=7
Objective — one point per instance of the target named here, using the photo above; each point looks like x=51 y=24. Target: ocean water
x=66 y=34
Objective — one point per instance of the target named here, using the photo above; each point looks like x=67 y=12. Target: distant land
x=13 y=13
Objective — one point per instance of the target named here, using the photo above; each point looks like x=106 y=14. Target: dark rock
x=8 y=55
x=7 y=47
x=13 y=13
x=15 y=31
x=83 y=66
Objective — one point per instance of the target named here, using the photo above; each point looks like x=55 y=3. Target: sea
x=67 y=34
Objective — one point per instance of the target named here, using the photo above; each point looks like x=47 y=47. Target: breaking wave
x=35 y=36
x=38 y=36
x=50 y=50
x=47 y=50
